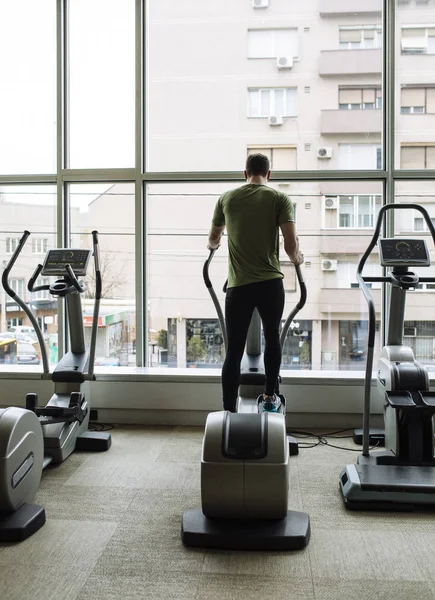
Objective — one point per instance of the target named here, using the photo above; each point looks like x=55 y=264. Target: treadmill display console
x=55 y=261
x=398 y=252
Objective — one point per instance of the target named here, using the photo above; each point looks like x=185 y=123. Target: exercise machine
x=32 y=438
x=402 y=476
x=245 y=462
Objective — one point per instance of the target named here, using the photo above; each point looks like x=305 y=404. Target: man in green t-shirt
x=253 y=215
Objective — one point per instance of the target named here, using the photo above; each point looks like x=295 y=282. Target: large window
x=28 y=87
x=109 y=209
x=86 y=144
x=101 y=83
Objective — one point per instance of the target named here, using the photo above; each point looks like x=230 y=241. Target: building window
x=420 y=224
x=360 y=37
x=39 y=245
x=355 y=212
x=15 y=323
x=359 y=98
x=418 y=39
x=417 y=100
x=417 y=157
x=18 y=286
x=282 y=158
x=360 y=156
x=277 y=102
x=11 y=245
x=273 y=43
x=43 y=294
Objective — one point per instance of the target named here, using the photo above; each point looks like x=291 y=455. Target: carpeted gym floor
x=113 y=532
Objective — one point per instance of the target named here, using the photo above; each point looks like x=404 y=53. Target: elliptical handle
x=205 y=270
x=298 y=307
x=209 y=286
x=11 y=263
x=98 y=292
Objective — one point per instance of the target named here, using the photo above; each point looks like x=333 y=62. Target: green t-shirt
x=252 y=215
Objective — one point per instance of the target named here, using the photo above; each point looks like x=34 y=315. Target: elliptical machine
x=245 y=460
x=32 y=438
x=402 y=476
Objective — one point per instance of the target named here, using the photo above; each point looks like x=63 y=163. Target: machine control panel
x=399 y=252
x=55 y=261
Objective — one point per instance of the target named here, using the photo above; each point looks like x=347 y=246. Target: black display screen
x=56 y=260
x=398 y=251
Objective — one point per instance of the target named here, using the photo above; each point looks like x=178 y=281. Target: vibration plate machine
x=32 y=438
x=245 y=462
x=403 y=476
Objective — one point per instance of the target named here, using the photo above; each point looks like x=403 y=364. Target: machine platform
x=291 y=533
x=18 y=525
x=387 y=487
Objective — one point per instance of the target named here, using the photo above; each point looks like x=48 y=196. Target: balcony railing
x=350 y=121
x=351 y=62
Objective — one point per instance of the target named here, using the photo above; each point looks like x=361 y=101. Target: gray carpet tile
x=86 y=502
x=370 y=589
x=65 y=544
x=295 y=565
x=167 y=586
x=52 y=582
x=356 y=554
x=247 y=587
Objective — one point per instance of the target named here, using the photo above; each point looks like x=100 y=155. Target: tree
x=112 y=276
x=196 y=349
x=162 y=339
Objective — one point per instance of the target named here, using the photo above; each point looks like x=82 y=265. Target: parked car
x=27 y=354
x=23 y=330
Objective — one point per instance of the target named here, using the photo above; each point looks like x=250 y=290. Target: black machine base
x=376 y=436
x=291 y=533
x=20 y=524
x=94 y=441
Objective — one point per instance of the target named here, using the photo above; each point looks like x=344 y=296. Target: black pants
x=240 y=302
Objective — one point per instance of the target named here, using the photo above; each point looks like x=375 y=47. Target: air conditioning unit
x=409 y=331
x=331 y=203
x=324 y=152
x=329 y=265
x=260 y=3
x=275 y=120
x=284 y=62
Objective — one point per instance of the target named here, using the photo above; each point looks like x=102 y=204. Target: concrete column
x=181 y=343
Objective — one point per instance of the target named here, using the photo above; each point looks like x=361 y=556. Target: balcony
x=333 y=300
x=338 y=8
x=350 y=121
x=351 y=62
x=346 y=241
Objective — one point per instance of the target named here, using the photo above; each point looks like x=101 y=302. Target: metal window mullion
x=61 y=138
x=140 y=165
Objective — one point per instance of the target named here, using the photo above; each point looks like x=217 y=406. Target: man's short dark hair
x=257 y=164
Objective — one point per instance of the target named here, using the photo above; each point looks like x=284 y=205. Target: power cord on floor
x=322 y=439
x=95 y=426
